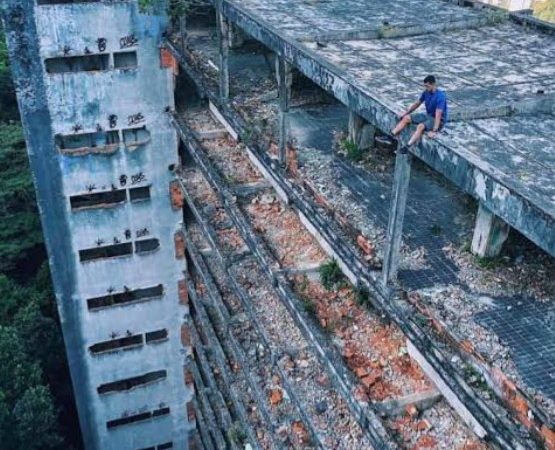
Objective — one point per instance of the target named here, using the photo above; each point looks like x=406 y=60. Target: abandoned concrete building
x=242 y=255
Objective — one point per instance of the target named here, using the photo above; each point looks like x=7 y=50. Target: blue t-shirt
x=435 y=100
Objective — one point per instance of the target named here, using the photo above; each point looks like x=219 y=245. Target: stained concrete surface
x=437 y=215
x=486 y=67
x=374 y=60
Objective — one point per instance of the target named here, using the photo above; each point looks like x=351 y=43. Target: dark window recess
x=129 y=419
x=137 y=418
x=99 y=141
x=161 y=412
x=108 y=251
x=97 y=199
x=130 y=383
x=160 y=447
x=121 y=298
x=148 y=245
x=84 y=63
x=125 y=60
x=138 y=194
x=117 y=344
x=165 y=446
x=136 y=136
x=155 y=336
x=61 y=2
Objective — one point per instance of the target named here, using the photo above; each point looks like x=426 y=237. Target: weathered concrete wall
x=53 y=104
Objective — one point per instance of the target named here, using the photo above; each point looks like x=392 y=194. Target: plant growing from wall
x=331 y=275
x=351 y=150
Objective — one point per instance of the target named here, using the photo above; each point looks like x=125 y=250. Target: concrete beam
x=540 y=104
x=449 y=395
x=237 y=36
x=391 y=31
x=223 y=40
x=401 y=180
x=211 y=134
x=521 y=207
x=490 y=232
x=246 y=189
x=361 y=133
x=421 y=400
x=285 y=81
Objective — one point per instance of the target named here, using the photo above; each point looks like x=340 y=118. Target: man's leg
x=417 y=134
x=403 y=123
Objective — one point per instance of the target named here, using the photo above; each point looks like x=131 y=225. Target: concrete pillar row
x=237 y=36
x=223 y=40
x=490 y=232
x=285 y=81
x=403 y=163
x=361 y=133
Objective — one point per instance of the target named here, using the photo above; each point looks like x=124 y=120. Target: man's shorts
x=427 y=120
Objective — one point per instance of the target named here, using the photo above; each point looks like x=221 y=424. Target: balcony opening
x=148 y=245
x=107 y=251
x=63 y=2
x=161 y=412
x=135 y=137
x=139 y=194
x=126 y=297
x=124 y=343
x=99 y=142
x=165 y=446
x=98 y=199
x=137 y=418
x=125 y=60
x=156 y=336
x=133 y=382
x=129 y=419
x=73 y=64
x=159 y=447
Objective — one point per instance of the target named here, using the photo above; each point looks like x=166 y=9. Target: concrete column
x=490 y=232
x=401 y=180
x=361 y=133
x=183 y=29
x=285 y=80
x=223 y=39
x=237 y=36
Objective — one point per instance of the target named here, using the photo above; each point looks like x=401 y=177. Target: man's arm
x=437 y=121
x=411 y=108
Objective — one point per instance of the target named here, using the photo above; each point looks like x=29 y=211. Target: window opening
x=108 y=251
x=137 y=418
x=125 y=60
x=165 y=446
x=98 y=199
x=117 y=344
x=128 y=296
x=134 y=137
x=88 y=142
x=138 y=194
x=133 y=382
x=147 y=245
x=73 y=64
x=129 y=419
x=156 y=336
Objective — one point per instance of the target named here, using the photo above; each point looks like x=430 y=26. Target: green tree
x=18 y=371
x=8 y=103
x=35 y=421
x=22 y=239
x=545 y=10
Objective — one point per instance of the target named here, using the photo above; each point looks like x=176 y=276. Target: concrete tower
x=94 y=90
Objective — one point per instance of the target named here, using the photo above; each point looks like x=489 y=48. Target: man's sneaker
x=384 y=139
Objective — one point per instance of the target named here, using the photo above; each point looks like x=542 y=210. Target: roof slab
x=499 y=76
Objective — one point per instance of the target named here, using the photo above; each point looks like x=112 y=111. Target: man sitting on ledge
x=436 y=112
